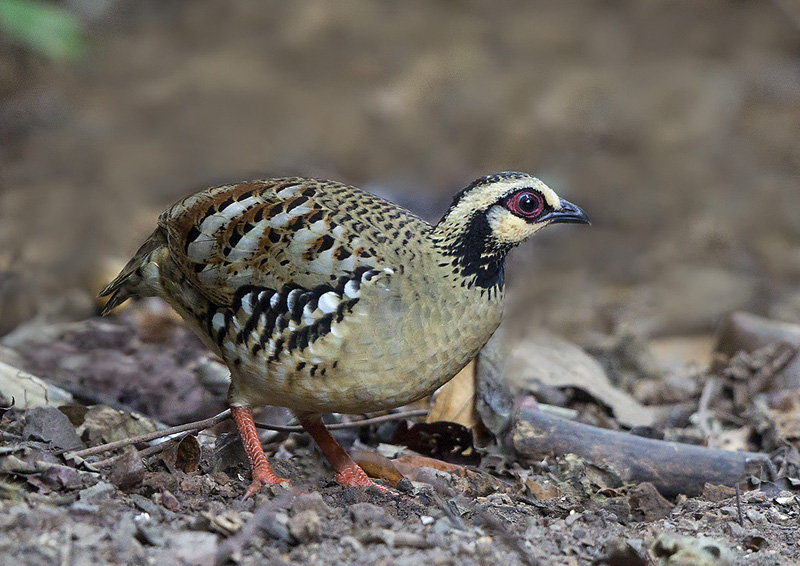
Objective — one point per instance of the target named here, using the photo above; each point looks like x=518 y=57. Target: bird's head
x=495 y=213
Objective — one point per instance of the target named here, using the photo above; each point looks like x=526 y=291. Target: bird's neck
x=471 y=249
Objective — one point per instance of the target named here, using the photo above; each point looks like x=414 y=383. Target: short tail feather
x=130 y=281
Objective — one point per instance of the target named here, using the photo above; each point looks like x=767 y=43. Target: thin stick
x=709 y=390
x=149 y=451
x=354 y=424
x=188 y=427
x=224 y=415
x=739 y=504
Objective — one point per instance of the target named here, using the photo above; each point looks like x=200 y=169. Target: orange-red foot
x=264 y=477
x=262 y=471
x=348 y=473
x=351 y=475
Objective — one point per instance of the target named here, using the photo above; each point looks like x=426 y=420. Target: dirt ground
x=674 y=125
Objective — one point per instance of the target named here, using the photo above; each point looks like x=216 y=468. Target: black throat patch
x=479 y=256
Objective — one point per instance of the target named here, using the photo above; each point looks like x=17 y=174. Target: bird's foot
x=351 y=475
x=264 y=476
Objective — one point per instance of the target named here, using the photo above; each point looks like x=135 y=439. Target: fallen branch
x=144 y=453
x=353 y=424
x=672 y=467
x=188 y=427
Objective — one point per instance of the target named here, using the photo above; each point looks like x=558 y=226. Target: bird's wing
x=292 y=231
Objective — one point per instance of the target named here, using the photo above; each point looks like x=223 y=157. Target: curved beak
x=568 y=214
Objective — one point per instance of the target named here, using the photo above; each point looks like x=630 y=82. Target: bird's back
x=270 y=233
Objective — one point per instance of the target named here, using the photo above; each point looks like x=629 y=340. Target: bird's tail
x=139 y=278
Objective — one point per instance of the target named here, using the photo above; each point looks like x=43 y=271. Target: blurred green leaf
x=46 y=29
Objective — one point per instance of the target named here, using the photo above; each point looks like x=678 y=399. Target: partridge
x=321 y=297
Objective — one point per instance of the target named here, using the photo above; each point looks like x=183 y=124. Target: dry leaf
x=187 y=455
x=377 y=466
x=544 y=490
x=408 y=465
x=455 y=401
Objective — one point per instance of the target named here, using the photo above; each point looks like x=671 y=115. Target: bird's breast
x=400 y=340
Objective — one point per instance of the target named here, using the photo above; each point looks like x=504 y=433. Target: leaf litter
x=454 y=498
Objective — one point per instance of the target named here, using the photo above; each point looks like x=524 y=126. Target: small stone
x=276 y=526
x=755 y=517
x=442 y=526
x=736 y=530
x=50 y=425
x=499 y=499
x=80 y=508
x=306 y=526
x=190 y=548
x=128 y=471
x=147 y=506
x=440 y=480
x=352 y=542
x=369 y=515
x=648 y=504
x=311 y=501
x=484 y=545
x=98 y=492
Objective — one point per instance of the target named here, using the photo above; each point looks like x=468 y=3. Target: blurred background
x=675 y=125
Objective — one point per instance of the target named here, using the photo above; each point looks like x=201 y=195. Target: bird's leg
x=348 y=473
x=259 y=466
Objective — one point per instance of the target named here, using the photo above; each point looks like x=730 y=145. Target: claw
x=354 y=476
x=261 y=478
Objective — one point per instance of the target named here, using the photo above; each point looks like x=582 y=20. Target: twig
x=354 y=424
x=709 y=391
x=224 y=415
x=449 y=510
x=188 y=427
x=784 y=353
x=149 y=451
x=739 y=504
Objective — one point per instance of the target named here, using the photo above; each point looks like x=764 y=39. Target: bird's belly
x=374 y=366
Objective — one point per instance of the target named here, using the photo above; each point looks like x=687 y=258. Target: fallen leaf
x=408 y=465
x=544 y=358
x=187 y=455
x=543 y=490
x=377 y=466
x=103 y=424
x=455 y=401
x=50 y=425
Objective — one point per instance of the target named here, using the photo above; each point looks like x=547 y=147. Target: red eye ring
x=526 y=204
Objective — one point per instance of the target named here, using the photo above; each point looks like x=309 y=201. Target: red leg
x=259 y=466
x=348 y=473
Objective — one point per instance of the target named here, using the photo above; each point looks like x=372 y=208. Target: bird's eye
x=528 y=204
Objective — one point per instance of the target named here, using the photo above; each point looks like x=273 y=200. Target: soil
x=674 y=125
